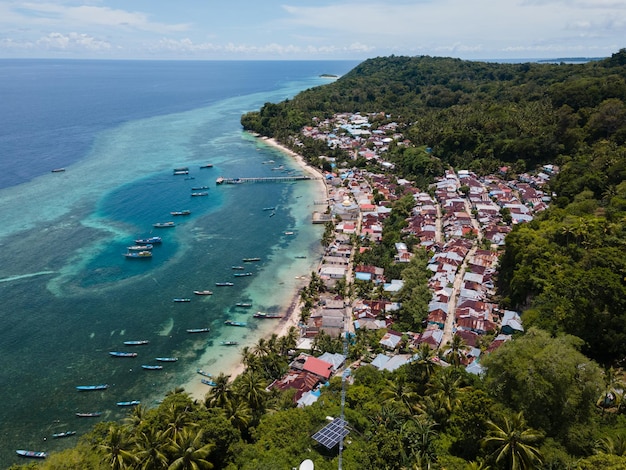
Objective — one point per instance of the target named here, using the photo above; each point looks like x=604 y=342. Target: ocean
x=69 y=297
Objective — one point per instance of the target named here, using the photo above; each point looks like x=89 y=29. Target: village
x=462 y=220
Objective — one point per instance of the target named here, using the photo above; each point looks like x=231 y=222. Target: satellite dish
x=306 y=465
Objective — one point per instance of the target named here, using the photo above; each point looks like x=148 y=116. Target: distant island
x=571 y=59
x=328 y=75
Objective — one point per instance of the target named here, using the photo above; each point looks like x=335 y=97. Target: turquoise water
x=70 y=297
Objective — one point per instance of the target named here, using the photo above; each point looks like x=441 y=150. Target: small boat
x=185 y=212
x=147 y=247
x=208 y=165
x=269 y=208
x=200 y=194
x=93 y=414
x=139 y=342
x=208 y=382
x=148 y=241
x=243 y=305
x=199 y=188
x=180 y=299
x=138 y=255
x=272 y=214
x=58 y=170
x=268 y=162
x=301 y=257
x=166 y=359
x=223 y=284
x=203 y=292
x=181 y=172
x=201 y=372
x=267 y=315
x=288 y=233
x=219 y=180
x=32 y=454
x=122 y=354
x=249 y=260
x=87 y=388
x=198 y=330
x=229 y=343
x=281 y=167
x=235 y=323
x=242 y=274
x=237 y=267
x=182 y=168
x=128 y=403
x=151 y=367
x=164 y=224
x=58 y=435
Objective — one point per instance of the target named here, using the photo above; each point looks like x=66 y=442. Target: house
x=391 y=340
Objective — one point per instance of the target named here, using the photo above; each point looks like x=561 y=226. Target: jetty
x=264 y=179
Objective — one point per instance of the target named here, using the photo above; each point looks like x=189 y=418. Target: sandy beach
x=233 y=366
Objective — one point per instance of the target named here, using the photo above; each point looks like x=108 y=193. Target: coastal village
x=462 y=221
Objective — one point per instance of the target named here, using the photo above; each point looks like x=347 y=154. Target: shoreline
x=198 y=390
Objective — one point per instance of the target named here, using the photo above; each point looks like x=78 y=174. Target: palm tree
x=418 y=436
x=190 y=452
x=456 y=353
x=136 y=417
x=612 y=445
x=513 y=442
x=177 y=419
x=238 y=413
x=251 y=388
x=221 y=393
x=150 y=449
x=445 y=388
x=399 y=392
x=118 y=447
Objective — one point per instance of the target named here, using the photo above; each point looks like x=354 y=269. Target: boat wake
x=25 y=276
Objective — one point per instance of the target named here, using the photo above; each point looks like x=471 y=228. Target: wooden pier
x=266 y=179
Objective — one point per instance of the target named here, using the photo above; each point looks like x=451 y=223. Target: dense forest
x=550 y=399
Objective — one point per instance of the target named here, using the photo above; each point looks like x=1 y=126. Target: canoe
x=32 y=453
x=166 y=359
x=198 y=330
x=136 y=342
x=122 y=354
x=208 y=382
x=229 y=343
x=179 y=299
x=58 y=435
x=151 y=367
x=86 y=388
x=203 y=292
x=201 y=372
x=92 y=414
x=128 y=403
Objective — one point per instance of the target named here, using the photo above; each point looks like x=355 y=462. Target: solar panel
x=330 y=435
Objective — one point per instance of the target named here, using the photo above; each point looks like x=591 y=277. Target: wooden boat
x=58 y=170
x=200 y=194
x=151 y=367
x=87 y=388
x=219 y=180
x=58 y=435
x=249 y=260
x=138 y=342
x=301 y=257
x=235 y=323
x=164 y=224
x=242 y=274
x=180 y=299
x=182 y=168
x=223 y=284
x=92 y=414
x=122 y=354
x=32 y=454
x=166 y=359
x=138 y=255
x=203 y=292
x=289 y=233
x=243 y=305
x=198 y=330
x=267 y=315
x=208 y=382
x=208 y=165
x=128 y=403
x=199 y=188
x=237 y=267
x=269 y=208
x=229 y=343
x=147 y=247
x=201 y=372
x=185 y=212
x=148 y=241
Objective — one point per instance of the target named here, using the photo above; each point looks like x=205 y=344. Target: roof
x=317 y=367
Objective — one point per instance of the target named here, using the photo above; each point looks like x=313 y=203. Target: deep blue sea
x=69 y=297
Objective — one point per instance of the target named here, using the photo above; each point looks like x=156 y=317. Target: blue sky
x=320 y=29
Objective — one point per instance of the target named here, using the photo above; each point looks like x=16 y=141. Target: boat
x=223 y=284
x=249 y=260
x=92 y=414
x=164 y=224
x=272 y=214
x=149 y=241
x=267 y=315
x=199 y=188
x=58 y=170
x=166 y=359
x=201 y=372
x=122 y=354
x=301 y=257
x=151 y=367
x=269 y=208
x=229 y=343
x=237 y=267
x=147 y=247
x=138 y=254
x=208 y=382
x=128 y=403
x=203 y=292
x=32 y=454
x=185 y=212
x=182 y=168
x=198 y=330
x=242 y=274
x=208 y=165
x=181 y=172
x=243 y=305
x=268 y=162
x=179 y=299
x=199 y=194
x=138 y=342
x=58 y=435
x=235 y=323
x=87 y=388
x=219 y=180
x=288 y=233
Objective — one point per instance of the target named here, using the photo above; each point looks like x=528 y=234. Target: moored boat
x=242 y=274
x=249 y=260
x=164 y=224
x=185 y=212
x=208 y=382
x=122 y=354
x=235 y=323
x=243 y=305
x=219 y=180
x=166 y=359
x=199 y=188
x=128 y=403
x=229 y=343
x=237 y=267
x=267 y=315
x=92 y=414
x=182 y=168
x=147 y=247
x=180 y=299
x=223 y=284
x=198 y=330
x=87 y=388
x=149 y=241
x=208 y=165
x=138 y=255
x=138 y=342
x=58 y=170
x=203 y=193
x=151 y=367
x=32 y=454
x=58 y=435
x=202 y=372
x=203 y=292
x=269 y=208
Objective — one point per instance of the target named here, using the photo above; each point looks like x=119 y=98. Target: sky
x=313 y=30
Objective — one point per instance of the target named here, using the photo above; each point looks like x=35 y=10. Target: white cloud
x=72 y=41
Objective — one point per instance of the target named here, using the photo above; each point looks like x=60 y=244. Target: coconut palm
x=399 y=392
x=190 y=452
x=615 y=445
x=456 y=353
x=251 y=388
x=118 y=448
x=177 y=419
x=136 y=417
x=513 y=442
x=221 y=393
x=238 y=413
x=149 y=451
x=445 y=388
